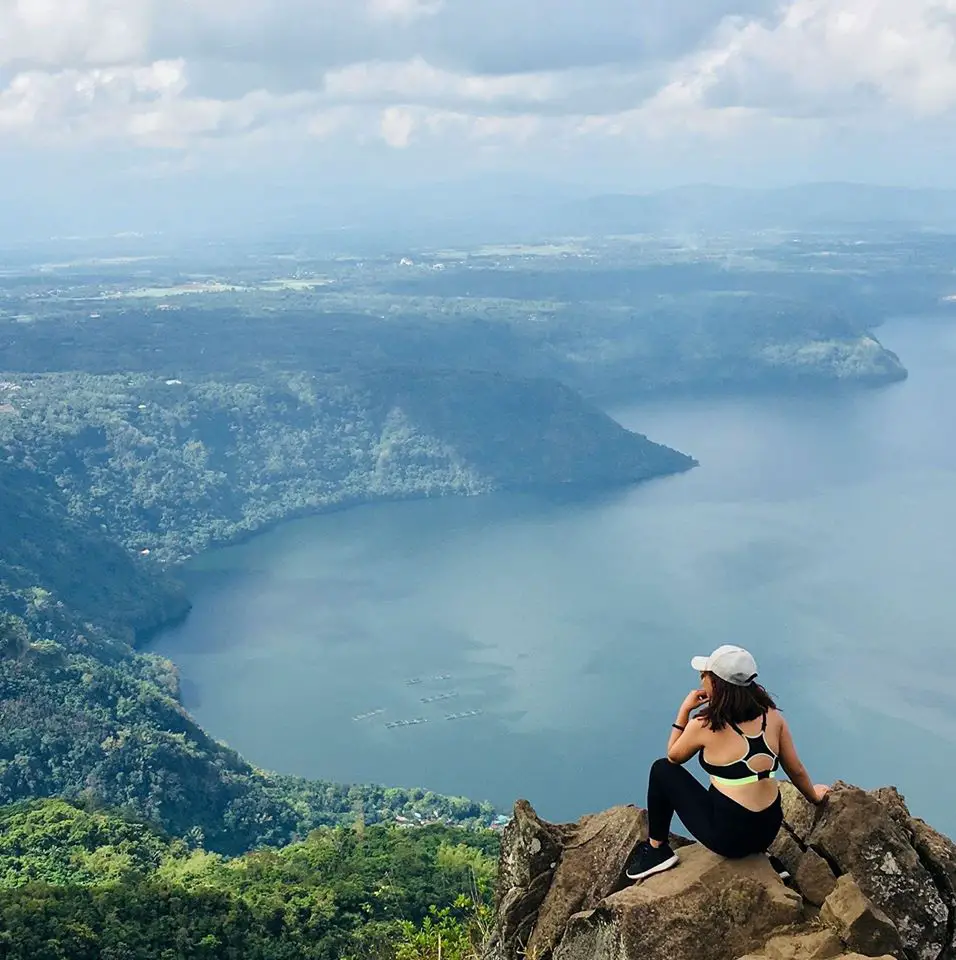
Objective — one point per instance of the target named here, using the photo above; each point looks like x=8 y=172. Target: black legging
x=719 y=823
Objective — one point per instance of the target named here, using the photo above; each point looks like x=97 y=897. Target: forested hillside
x=114 y=733
x=173 y=466
x=614 y=318
x=45 y=546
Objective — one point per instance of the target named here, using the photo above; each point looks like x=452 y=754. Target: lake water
x=818 y=532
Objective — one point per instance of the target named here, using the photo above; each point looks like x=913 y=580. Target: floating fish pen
x=465 y=715
x=369 y=715
x=405 y=723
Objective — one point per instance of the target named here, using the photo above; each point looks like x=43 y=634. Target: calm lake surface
x=818 y=532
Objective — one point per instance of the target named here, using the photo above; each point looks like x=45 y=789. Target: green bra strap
x=745 y=781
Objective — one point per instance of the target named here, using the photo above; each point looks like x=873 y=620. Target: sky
x=227 y=101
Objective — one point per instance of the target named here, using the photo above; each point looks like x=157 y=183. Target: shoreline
x=143 y=637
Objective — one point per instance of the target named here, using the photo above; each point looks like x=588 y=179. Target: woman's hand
x=821 y=790
x=693 y=700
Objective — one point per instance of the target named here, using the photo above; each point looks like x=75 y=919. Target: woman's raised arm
x=795 y=770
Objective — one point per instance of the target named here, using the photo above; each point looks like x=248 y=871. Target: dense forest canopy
x=173 y=465
x=86 y=884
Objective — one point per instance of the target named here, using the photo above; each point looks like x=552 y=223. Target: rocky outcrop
x=904 y=867
x=536 y=901
x=709 y=909
x=530 y=851
x=867 y=880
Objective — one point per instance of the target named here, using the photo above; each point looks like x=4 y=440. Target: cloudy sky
x=625 y=94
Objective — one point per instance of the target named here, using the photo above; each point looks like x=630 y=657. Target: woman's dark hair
x=731 y=703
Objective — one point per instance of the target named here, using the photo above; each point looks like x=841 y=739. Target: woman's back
x=741 y=756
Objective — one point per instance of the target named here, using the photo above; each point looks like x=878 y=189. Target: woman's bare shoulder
x=776 y=721
x=700 y=726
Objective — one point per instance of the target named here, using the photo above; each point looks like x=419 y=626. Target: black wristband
x=677 y=726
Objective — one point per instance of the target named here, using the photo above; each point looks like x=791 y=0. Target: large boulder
x=535 y=899
x=905 y=868
x=936 y=852
x=867 y=880
x=859 y=922
x=530 y=851
x=709 y=909
x=814 y=877
x=802 y=945
x=592 y=864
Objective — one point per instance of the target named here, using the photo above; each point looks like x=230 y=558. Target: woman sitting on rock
x=741 y=739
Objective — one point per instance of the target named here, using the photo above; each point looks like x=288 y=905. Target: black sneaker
x=647 y=860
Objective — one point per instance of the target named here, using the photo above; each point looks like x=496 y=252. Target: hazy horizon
x=490 y=207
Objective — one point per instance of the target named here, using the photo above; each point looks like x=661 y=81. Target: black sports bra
x=740 y=772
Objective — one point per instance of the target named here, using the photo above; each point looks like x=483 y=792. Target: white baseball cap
x=730 y=663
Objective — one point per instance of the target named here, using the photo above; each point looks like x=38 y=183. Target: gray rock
x=860 y=923
x=799 y=815
x=815 y=945
x=814 y=878
x=936 y=852
x=530 y=851
x=707 y=908
x=863 y=835
x=885 y=880
x=591 y=867
x=786 y=849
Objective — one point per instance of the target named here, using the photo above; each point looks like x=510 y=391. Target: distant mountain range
x=497 y=209
x=806 y=207
x=372 y=217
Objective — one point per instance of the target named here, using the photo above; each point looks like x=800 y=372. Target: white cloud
x=398 y=125
x=145 y=105
x=70 y=33
x=53 y=104
x=406 y=10
x=526 y=74
x=418 y=81
x=825 y=57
